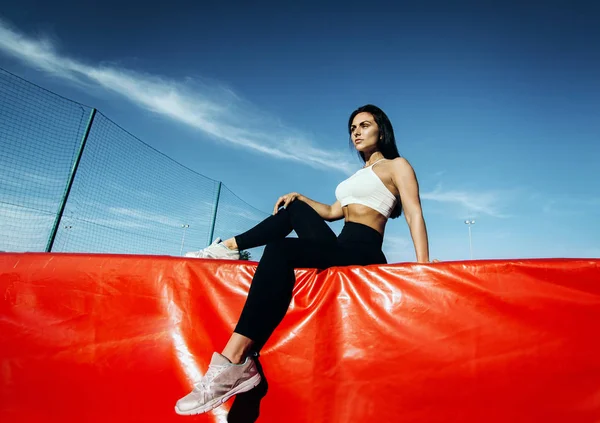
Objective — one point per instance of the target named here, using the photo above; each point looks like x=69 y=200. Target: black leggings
x=316 y=247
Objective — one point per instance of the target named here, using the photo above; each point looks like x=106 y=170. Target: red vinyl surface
x=95 y=338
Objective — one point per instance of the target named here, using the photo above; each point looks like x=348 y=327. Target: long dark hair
x=386 y=143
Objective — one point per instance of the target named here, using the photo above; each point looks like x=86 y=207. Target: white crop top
x=365 y=187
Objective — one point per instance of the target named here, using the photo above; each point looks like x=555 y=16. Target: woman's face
x=364 y=132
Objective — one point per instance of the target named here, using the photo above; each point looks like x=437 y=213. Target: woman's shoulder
x=399 y=164
x=400 y=171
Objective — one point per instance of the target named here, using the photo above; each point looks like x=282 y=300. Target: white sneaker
x=222 y=381
x=216 y=250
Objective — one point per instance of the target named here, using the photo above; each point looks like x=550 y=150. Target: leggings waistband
x=357 y=233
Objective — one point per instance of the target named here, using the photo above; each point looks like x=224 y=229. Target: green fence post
x=214 y=218
x=70 y=183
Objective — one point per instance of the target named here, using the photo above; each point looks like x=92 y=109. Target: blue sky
x=495 y=104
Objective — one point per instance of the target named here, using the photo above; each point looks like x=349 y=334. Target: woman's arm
x=408 y=187
x=329 y=213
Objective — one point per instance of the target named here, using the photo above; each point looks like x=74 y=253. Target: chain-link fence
x=71 y=180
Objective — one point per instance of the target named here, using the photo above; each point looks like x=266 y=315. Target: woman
x=384 y=187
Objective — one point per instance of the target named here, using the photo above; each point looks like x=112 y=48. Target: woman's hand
x=285 y=200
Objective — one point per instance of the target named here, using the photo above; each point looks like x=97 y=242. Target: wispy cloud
x=23 y=229
x=239 y=211
x=19 y=178
x=118 y=216
x=571 y=206
x=470 y=203
x=147 y=217
x=209 y=108
x=398 y=248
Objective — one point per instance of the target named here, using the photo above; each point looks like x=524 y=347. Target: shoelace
x=206 y=252
x=213 y=371
x=213 y=254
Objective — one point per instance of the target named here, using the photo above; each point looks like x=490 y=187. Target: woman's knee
x=298 y=209
x=297 y=205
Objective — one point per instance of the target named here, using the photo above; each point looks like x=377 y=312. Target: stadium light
x=469 y=223
x=183 y=238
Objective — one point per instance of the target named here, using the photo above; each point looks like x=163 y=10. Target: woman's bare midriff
x=357 y=213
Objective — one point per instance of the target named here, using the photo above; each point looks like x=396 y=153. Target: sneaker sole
x=213 y=258
x=251 y=383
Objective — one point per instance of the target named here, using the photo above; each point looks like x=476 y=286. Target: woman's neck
x=373 y=158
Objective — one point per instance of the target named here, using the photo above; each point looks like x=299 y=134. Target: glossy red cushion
x=94 y=338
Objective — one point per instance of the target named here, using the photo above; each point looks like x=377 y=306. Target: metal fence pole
x=70 y=183
x=214 y=216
